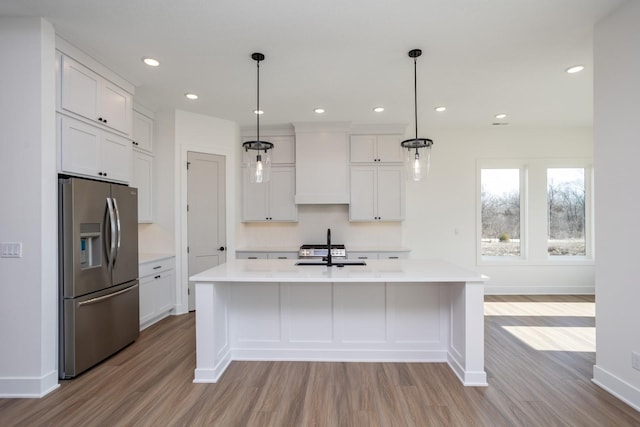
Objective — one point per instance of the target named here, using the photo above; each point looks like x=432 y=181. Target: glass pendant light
x=418 y=158
x=257 y=158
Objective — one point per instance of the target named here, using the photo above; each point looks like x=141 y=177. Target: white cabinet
x=87 y=94
x=157 y=282
x=89 y=151
x=142 y=132
x=270 y=201
x=378 y=255
x=283 y=152
x=375 y=148
x=266 y=255
x=142 y=179
x=377 y=193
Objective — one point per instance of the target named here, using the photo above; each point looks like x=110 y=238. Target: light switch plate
x=11 y=250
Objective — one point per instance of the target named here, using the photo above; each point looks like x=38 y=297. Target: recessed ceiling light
x=191 y=96
x=501 y=116
x=151 y=62
x=319 y=110
x=575 y=69
x=378 y=109
x=258 y=111
x=440 y=109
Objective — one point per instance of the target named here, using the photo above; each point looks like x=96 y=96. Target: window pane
x=500 y=206
x=566 y=212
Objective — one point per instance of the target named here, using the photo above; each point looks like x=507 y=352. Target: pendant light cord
x=258 y=103
x=415 y=92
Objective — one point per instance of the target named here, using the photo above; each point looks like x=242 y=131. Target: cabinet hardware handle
x=157 y=267
x=157 y=277
x=253 y=257
x=99 y=119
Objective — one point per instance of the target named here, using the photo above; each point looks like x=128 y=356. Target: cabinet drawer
x=362 y=255
x=153 y=267
x=251 y=255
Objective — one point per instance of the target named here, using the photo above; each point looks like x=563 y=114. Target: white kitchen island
x=386 y=311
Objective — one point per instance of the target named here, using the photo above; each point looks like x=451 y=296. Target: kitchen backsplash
x=313 y=221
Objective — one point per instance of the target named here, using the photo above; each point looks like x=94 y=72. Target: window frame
x=533 y=211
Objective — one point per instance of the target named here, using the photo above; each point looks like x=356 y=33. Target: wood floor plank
x=150 y=383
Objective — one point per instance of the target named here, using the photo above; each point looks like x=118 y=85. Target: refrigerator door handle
x=105 y=297
x=118 y=228
x=112 y=225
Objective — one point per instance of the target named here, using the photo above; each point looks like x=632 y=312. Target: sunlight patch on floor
x=556 y=338
x=578 y=309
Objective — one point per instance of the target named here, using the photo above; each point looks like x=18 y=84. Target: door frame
x=182 y=240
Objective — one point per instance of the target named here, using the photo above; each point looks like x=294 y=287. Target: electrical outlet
x=11 y=250
x=635 y=360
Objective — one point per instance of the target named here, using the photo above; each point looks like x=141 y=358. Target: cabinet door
x=283 y=150
x=115 y=107
x=363 y=193
x=390 y=193
x=142 y=179
x=147 y=310
x=164 y=292
x=362 y=148
x=389 y=149
x=142 y=132
x=79 y=91
x=282 y=189
x=254 y=199
x=79 y=147
x=115 y=157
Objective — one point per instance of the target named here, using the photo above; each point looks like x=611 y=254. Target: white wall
x=617 y=150
x=28 y=214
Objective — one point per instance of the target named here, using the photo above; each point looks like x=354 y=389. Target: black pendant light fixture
x=257 y=158
x=418 y=159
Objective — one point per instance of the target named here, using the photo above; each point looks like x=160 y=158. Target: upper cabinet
x=283 y=152
x=142 y=132
x=85 y=93
x=272 y=200
x=89 y=151
x=375 y=149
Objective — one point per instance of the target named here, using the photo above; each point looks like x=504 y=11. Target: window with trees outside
x=500 y=212
x=566 y=212
x=535 y=211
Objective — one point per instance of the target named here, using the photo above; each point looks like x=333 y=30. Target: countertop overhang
x=396 y=270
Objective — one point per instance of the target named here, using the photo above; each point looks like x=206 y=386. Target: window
x=500 y=212
x=566 y=212
x=534 y=211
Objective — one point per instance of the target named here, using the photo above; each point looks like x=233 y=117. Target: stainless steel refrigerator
x=98 y=253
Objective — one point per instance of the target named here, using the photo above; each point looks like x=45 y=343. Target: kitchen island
x=384 y=311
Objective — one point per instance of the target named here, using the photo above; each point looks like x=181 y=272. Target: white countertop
x=151 y=257
x=404 y=270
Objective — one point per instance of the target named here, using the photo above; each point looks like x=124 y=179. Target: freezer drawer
x=96 y=326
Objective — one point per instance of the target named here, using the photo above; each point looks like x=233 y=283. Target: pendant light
x=417 y=162
x=257 y=158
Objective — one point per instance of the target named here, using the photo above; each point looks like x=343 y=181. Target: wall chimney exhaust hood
x=322 y=163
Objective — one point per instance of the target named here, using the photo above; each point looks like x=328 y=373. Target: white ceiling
x=480 y=57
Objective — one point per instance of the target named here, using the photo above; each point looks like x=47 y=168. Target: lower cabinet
x=378 y=255
x=266 y=255
x=157 y=283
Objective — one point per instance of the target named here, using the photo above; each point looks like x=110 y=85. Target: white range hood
x=322 y=163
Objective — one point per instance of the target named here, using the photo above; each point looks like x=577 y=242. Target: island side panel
x=213 y=353
x=466 y=349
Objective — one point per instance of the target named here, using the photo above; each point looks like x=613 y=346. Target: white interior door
x=206 y=221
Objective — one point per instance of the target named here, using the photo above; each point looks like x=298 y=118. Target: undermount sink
x=336 y=264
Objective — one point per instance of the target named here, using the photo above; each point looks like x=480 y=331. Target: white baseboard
x=29 y=387
x=617 y=387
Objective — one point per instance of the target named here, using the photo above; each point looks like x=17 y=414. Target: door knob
x=221 y=248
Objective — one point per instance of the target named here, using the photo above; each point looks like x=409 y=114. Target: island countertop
x=283 y=270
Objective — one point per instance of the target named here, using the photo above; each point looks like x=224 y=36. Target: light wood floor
x=149 y=383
